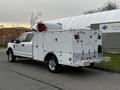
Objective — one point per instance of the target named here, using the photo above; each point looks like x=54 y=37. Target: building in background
x=6 y=34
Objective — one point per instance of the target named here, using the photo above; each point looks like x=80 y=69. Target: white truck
x=51 y=44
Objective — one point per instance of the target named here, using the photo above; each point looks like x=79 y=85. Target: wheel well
x=47 y=57
x=9 y=50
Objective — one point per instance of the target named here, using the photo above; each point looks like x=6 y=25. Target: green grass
x=114 y=63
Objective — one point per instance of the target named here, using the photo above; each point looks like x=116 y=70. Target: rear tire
x=11 y=57
x=53 y=65
x=91 y=65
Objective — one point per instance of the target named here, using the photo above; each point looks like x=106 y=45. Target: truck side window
x=22 y=38
x=29 y=37
x=26 y=37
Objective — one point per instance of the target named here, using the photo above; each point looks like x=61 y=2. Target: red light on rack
x=41 y=27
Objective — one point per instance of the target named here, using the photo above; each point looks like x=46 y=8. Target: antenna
x=34 y=17
x=31 y=18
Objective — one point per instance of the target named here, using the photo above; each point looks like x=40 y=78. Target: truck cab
x=21 y=47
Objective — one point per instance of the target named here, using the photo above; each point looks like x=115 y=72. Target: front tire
x=53 y=65
x=11 y=57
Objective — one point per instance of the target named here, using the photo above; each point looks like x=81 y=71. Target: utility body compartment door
x=38 y=46
x=28 y=49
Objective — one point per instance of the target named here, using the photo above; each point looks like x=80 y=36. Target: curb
x=106 y=69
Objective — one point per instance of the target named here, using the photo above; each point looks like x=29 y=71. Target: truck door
x=28 y=45
x=19 y=45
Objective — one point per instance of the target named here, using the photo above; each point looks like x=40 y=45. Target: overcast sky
x=19 y=10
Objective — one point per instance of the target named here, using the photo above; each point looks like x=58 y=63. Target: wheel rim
x=52 y=64
x=10 y=57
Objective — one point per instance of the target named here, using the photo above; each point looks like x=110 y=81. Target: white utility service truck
x=51 y=44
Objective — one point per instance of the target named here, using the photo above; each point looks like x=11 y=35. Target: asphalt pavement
x=33 y=75
x=2 y=50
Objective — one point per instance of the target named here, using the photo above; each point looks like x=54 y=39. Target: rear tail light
x=99 y=49
x=77 y=36
x=83 y=52
x=99 y=36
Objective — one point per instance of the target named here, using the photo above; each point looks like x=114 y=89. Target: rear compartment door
x=89 y=42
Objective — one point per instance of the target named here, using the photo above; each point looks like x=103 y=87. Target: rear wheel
x=53 y=65
x=11 y=57
x=91 y=65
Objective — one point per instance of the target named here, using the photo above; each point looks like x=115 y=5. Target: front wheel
x=11 y=57
x=53 y=65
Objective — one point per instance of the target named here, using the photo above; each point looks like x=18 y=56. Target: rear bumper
x=88 y=62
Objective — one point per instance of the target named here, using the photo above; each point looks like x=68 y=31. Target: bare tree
x=108 y=6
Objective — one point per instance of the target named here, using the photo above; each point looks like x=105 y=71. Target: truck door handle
x=22 y=45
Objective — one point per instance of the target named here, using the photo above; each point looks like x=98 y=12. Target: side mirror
x=12 y=40
x=17 y=41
